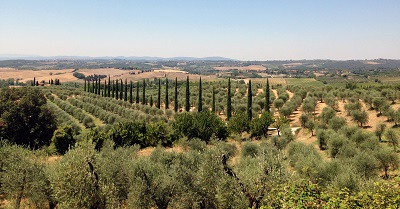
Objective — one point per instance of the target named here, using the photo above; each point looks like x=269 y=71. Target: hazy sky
x=245 y=29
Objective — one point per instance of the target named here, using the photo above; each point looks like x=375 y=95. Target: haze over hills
x=138 y=58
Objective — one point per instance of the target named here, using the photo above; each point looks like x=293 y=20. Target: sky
x=238 y=29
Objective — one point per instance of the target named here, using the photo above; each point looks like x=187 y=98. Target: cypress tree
x=88 y=86
x=267 y=103
x=96 y=85
x=126 y=90
x=166 y=94
x=116 y=89
x=213 y=100
x=113 y=89
x=137 y=92
x=200 y=105
x=109 y=86
x=249 y=102
x=159 y=94
x=187 y=104
x=176 y=95
x=144 y=93
x=151 y=101
x=34 y=81
x=105 y=88
x=229 y=101
x=99 y=88
x=93 y=86
x=84 y=86
x=121 y=90
x=130 y=93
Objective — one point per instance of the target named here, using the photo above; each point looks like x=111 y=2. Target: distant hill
x=133 y=58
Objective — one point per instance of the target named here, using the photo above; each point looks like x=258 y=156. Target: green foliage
x=22 y=176
x=126 y=134
x=259 y=126
x=63 y=139
x=187 y=96
x=176 y=106
x=75 y=179
x=327 y=114
x=278 y=103
x=304 y=158
x=387 y=160
x=202 y=125
x=336 y=123
x=25 y=120
x=249 y=102
x=158 y=134
x=360 y=117
x=200 y=100
x=229 y=101
x=392 y=137
x=323 y=138
x=239 y=123
x=250 y=149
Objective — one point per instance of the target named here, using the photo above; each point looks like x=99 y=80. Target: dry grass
x=26 y=75
x=248 y=68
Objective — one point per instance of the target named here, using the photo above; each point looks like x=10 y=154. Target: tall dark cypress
x=105 y=88
x=93 y=87
x=126 y=90
x=166 y=94
x=213 y=100
x=99 y=87
x=84 y=86
x=249 y=102
x=176 y=95
x=34 y=81
x=121 y=93
x=130 y=92
x=96 y=86
x=267 y=103
x=200 y=105
x=144 y=93
x=109 y=86
x=159 y=94
x=229 y=101
x=113 y=89
x=137 y=92
x=116 y=89
x=151 y=100
x=187 y=104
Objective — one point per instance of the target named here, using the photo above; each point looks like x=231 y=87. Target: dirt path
x=148 y=150
x=260 y=91
x=319 y=107
x=374 y=120
x=290 y=94
x=275 y=93
x=295 y=117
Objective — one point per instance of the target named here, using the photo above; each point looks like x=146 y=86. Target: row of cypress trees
x=249 y=100
x=116 y=89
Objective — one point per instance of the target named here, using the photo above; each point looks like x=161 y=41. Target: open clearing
x=26 y=75
x=66 y=75
x=250 y=67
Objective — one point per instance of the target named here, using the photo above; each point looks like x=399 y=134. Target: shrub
x=63 y=139
x=250 y=149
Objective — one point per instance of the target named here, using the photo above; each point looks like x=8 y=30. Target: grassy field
x=304 y=82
